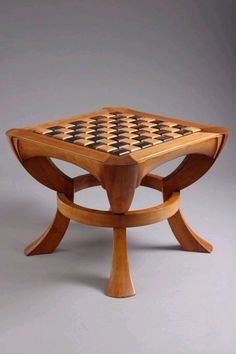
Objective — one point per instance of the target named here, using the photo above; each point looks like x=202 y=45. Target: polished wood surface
x=51 y=238
x=119 y=175
x=120 y=283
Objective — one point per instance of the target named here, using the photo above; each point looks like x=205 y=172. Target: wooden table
x=119 y=147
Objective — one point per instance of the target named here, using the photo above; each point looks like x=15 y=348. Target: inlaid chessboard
x=116 y=133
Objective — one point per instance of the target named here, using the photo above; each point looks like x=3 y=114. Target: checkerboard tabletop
x=117 y=132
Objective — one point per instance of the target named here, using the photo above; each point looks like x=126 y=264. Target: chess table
x=119 y=147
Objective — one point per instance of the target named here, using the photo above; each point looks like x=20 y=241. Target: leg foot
x=51 y=238
x=120 y=283
x=190 y=170
x=186 y=237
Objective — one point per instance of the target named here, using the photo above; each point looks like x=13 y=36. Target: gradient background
x=60 y=58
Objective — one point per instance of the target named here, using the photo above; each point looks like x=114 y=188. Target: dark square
x=92 y=127
x=71 y=140
x=121 y=126
x=55 y=127
x=53 y=133
x=143 y=144
x=119 y=144
x=135 y=116
x=120 y=120
x=78 y=122
x=141 y=126
x=179 y=126
x=158 y=121
x=141 y=137
x=165 y=138
x=94 y=145
x=74 y=133
x=75 y=127
x=162 y=126
x=96 y=138
x=99 y=132
x=116 y=132
x=162 y=131
x=134 y=121
x=140 y=121
x=119 y=131
x=157 y=126
x=119 y=137
x=184 y=132
x=120 y=152
x=120 y=117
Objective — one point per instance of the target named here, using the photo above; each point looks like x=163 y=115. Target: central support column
x=120 y=283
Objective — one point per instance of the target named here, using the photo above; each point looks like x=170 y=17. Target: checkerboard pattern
x=117 y=133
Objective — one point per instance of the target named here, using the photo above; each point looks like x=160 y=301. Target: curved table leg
x=51 y=238
x=47 y=173
x=187 y=238
x=190 y=170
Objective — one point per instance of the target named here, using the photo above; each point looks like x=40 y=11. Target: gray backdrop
x=60 y=58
